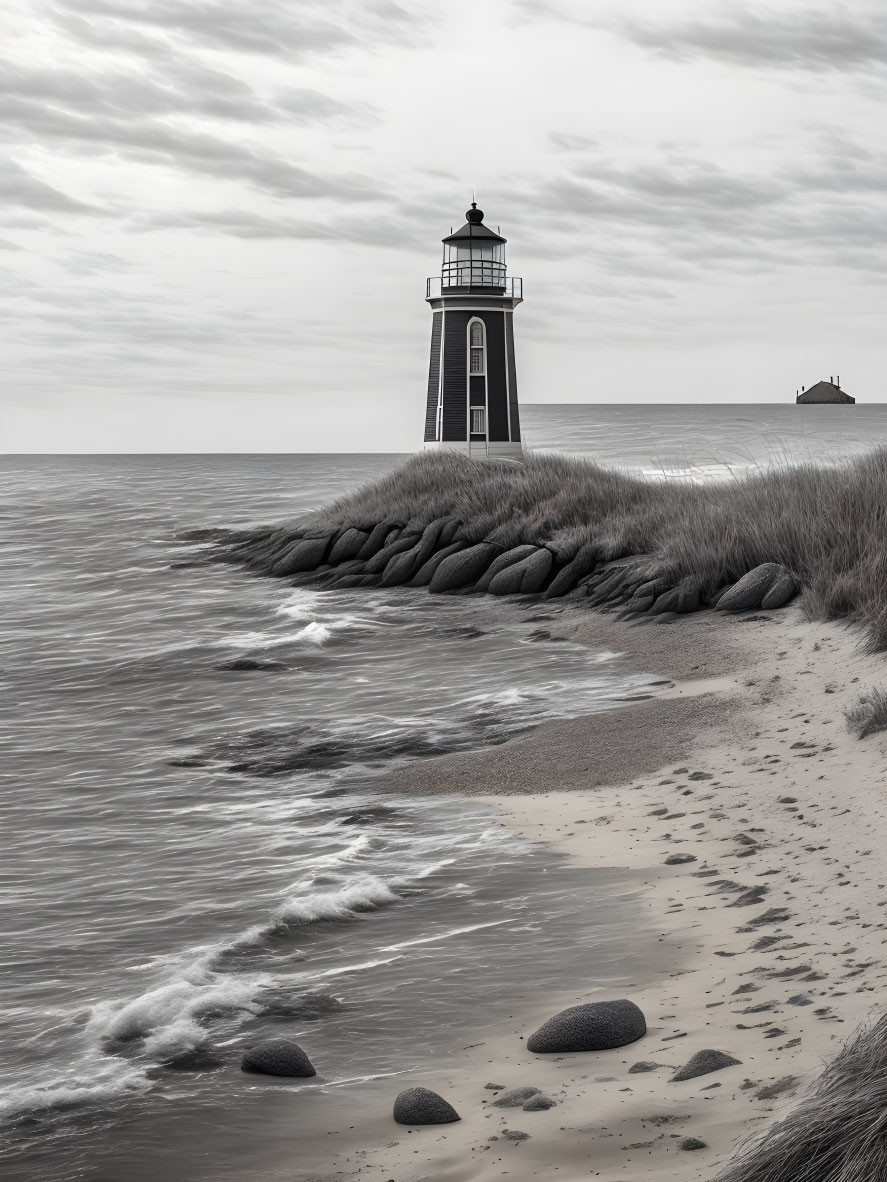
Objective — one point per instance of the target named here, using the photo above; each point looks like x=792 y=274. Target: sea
x=199 y=849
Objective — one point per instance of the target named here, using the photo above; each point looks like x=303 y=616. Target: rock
x=751 y=589
x=515 y=1135
x=420 y=1106
x=596 y=1026
x=700 y=776
x=278 y=1056
x=525 y=577
x=425 y=573
x=509 y=558
x=494 y=1087
x=303 y=556
x=516 y=1097
x=539 y=1103
x=403 y=566
x=690 y=1143
x=464 y=568
x=771 y=1091
x=703 y=1063
x=375 y=541
x=688 y=599
x=783 y=589
x=377 y=564
x=643 y=1066
x=582 y=564
x=347 y=545
x=667 y=602
x=679 y=859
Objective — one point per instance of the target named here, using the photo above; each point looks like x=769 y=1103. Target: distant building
x=472 y=383
x=829 y=391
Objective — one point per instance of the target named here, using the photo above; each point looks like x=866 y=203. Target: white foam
x=363 y=894
x=90 y=1080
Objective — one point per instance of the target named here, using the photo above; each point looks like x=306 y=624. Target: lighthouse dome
x=474 y=215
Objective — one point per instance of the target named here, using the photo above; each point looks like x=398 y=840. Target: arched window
x=477 y=348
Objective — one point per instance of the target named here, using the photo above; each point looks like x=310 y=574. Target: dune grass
x=868 y=714
x=827 y=525
x=838 y=1133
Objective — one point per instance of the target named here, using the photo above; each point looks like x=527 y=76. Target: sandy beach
x=767 y=946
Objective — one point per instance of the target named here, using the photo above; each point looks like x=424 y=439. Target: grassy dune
x=838 y=1133
x=828 y=526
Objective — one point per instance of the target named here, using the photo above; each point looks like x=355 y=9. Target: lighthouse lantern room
x=472 y=382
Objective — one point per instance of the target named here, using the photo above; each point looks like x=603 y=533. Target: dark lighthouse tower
x=472 y=383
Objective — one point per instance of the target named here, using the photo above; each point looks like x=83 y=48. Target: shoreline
x=777 y=978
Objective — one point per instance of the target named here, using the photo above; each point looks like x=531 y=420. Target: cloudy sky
x=218 y=215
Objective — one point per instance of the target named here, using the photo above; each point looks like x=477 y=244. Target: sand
x=770 y=946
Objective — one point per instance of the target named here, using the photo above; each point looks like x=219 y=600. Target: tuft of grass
x=869 y=714
x=827 y=525
x=838 y=1133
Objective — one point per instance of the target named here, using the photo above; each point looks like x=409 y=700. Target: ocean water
x=198 y=854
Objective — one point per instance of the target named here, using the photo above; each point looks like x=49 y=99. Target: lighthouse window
x=476 y=338
x=478 y=421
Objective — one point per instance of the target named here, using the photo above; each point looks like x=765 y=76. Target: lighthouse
x=472 y=381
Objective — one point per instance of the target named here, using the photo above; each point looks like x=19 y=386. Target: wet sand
x=769 y=946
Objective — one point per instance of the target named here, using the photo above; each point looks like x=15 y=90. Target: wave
x=91 y=1080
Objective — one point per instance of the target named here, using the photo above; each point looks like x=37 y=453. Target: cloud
x=239 y=223
x=804 y=39
x=278 y=28
x=19 y=188
x=181 y=148
x=680 y=215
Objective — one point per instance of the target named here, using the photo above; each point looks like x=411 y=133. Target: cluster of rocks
x=446 y=556
x=595 y=1026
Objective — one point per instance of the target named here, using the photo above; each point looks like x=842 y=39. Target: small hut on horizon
x=829 y=391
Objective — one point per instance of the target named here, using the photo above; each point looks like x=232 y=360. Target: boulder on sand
x=703 y=1063
x=783 y=589
x=751 y=590
x=278 y=1056
x=509 y=558
x=464 y=568
x=596 y=1026
x=525 y=577
x=420 y=1106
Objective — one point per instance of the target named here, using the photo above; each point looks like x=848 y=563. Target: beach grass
x=838 y=1133
x=868 y=714
x=825 y=524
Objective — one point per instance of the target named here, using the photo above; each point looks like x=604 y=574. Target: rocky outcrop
x=577 y=568
x=302 y=556
x=596 y=1026
x=499 y=564
x=347 y=545
x=437 y=555
x=465 y=568
x=525 y=577
x=278 y=1056
x=420 y=1106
